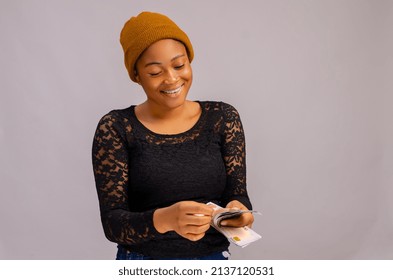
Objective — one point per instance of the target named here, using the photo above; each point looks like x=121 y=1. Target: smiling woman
x=165 y=73
x=157 y=164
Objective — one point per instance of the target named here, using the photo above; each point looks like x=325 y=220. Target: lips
x=173 y=91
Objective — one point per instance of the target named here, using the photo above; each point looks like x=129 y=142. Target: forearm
x=125 y=227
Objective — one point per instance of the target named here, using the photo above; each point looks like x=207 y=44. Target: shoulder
x=217 y=106
x=227 y=111
x=117 y=114
x=116 y=119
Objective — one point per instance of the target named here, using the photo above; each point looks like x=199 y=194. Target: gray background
x=312 y=81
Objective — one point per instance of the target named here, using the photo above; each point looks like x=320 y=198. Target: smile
x=173 y=91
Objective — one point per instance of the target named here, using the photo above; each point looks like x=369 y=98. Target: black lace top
x=137 y=171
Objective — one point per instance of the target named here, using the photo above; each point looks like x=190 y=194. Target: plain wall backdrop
x=312 y=81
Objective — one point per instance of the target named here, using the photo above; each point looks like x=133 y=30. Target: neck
x=157 y=112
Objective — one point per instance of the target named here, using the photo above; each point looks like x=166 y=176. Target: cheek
x=147 y=83
x=187 y=73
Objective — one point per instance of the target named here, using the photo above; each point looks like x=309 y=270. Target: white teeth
x=174 y=91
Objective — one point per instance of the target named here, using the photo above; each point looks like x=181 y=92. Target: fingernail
x=224 y=223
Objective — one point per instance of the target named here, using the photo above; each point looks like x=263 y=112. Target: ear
x=137 y=78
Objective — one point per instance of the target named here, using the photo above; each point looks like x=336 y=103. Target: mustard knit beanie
x=145 y=29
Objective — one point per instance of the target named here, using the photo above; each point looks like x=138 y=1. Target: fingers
x=197 y=220
x=192 y=219
x=195 y=229
x=236 y=204
x=245 y=219
x=193 y=237
x=194 y=232
x=192 y=207
x=194 y=224
x=193 y=213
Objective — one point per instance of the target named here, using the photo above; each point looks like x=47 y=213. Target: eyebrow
x=156 y=62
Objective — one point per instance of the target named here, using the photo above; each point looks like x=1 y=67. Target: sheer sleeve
x=110 y=166
x=234 y=155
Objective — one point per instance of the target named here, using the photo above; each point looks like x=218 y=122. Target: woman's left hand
x=245 y=219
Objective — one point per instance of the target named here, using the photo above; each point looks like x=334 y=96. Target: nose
x=171 y=76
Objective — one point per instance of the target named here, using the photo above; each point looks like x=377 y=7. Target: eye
x=179 y=67
x=155 y=74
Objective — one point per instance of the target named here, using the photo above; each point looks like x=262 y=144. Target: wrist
x=160 y=220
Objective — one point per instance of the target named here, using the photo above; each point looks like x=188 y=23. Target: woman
x=157 y=164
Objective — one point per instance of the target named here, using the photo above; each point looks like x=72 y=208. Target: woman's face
x=165 y=73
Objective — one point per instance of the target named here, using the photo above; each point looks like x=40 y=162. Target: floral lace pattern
x=137 y=171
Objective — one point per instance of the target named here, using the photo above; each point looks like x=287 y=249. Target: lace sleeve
x=234 y=155
x=110 y=166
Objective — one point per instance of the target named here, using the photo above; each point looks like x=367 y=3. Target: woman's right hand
x=189 y=219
